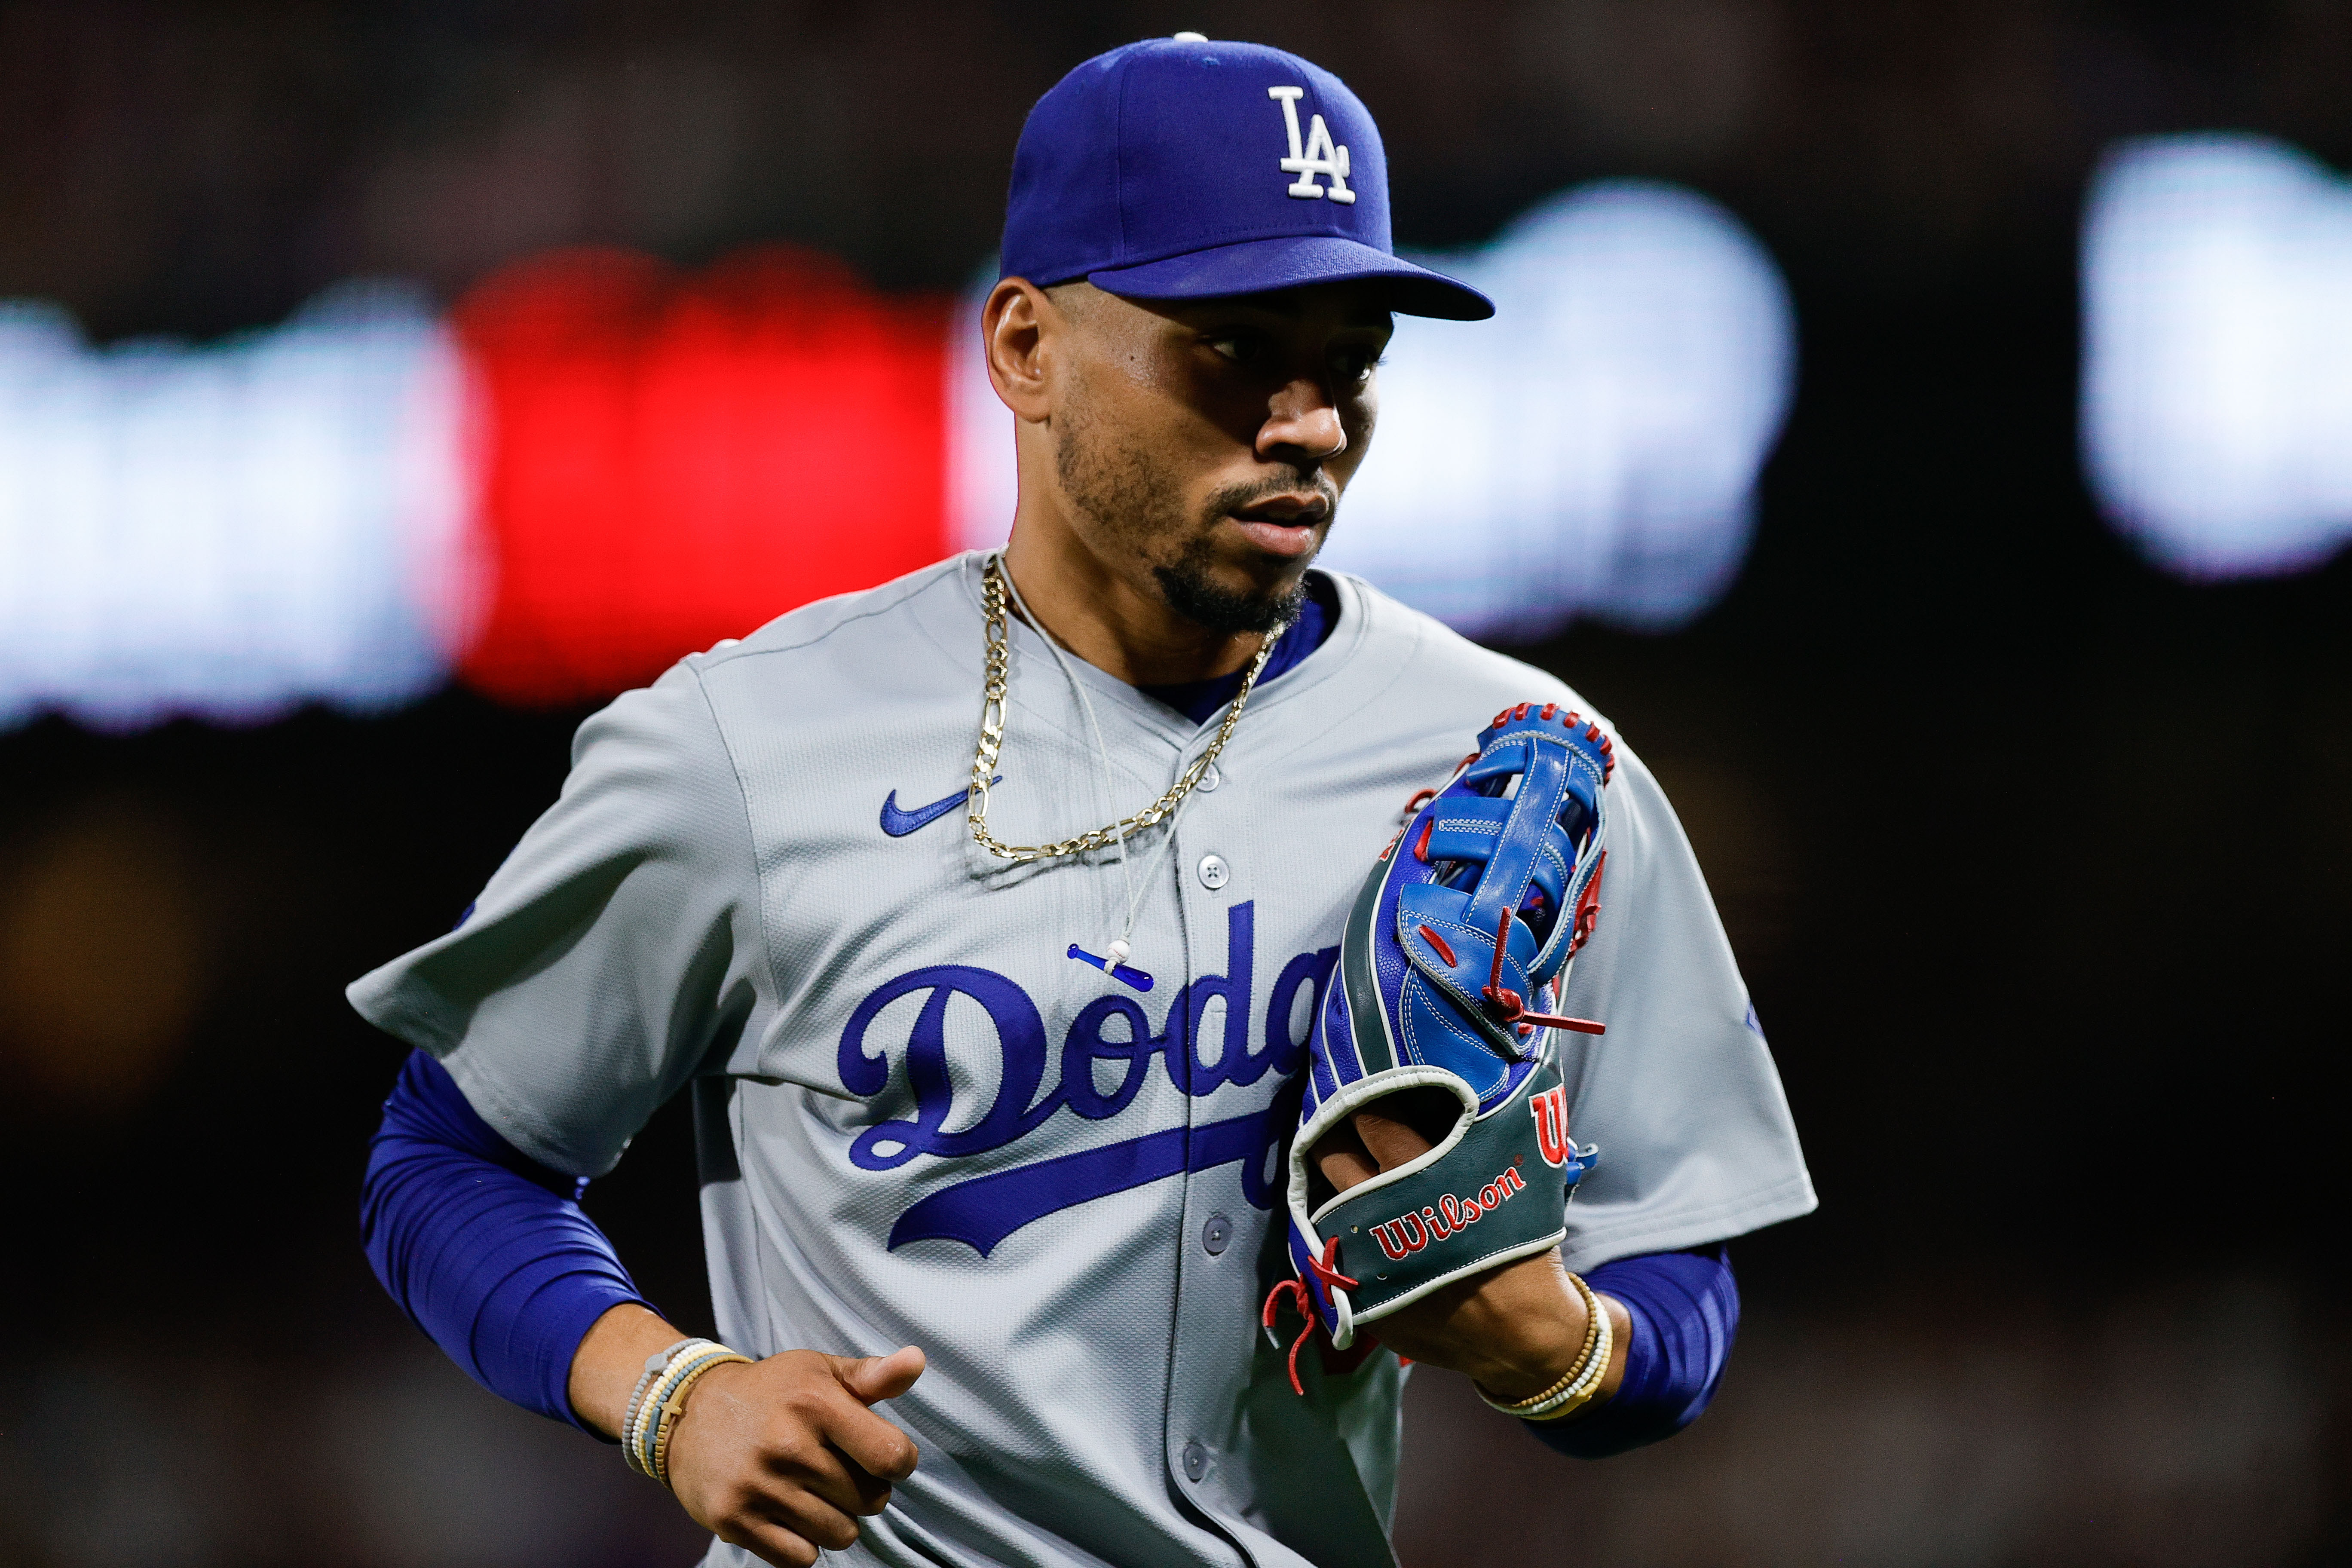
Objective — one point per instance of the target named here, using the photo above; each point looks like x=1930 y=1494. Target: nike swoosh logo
x=900 y=822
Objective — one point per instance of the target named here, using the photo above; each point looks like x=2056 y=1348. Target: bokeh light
x=674 y=459
x=1595 y=450
x=2216 y=353
x=230 y=531
x=105 y=954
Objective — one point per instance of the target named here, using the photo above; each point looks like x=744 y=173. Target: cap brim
x=1262 y=266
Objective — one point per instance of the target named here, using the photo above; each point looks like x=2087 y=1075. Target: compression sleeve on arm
x=485 y=1250
x=1686 y=1307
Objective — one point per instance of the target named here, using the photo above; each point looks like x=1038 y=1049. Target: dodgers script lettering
x=1113 y=1031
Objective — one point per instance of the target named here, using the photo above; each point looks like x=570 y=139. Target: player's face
x=1202 y=446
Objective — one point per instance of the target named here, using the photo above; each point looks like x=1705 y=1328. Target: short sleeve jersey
x=921 y=1121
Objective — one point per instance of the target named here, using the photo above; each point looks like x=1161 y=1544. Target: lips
x=1285 y=525
x=1280 y=536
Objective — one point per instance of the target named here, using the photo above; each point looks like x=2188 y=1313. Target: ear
x=1019 y=325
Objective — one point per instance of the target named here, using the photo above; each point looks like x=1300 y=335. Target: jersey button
x=1196 y=1461
x=1210 y=779
x=1214 y=872
x=1216 y=1234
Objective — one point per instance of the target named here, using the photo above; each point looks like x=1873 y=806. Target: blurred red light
x=668 y=460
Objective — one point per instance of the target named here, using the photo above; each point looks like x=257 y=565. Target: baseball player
x=993 y=920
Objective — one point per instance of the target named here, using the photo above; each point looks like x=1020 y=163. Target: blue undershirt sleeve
x=485 y=1250
x=1685 y=1308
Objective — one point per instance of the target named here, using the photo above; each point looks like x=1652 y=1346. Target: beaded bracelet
x=675 y=1406
x=1577 y=1387
x=634 y=1446
x=647 y=1430
x=654 y=1363
x=1588 y=1388
x=1576 y=1368
x=644 y=1444
x=1587 y=1385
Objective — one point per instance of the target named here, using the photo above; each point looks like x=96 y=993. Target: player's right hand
x=780 y=1455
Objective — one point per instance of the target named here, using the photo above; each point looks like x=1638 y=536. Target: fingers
x=874 y=1378
x=867 y=1492
x=1390 y=1141
x=818 y=1524
x=1404 y=1126
x=838 y=1452
x=1390 y=1131
x=1343 y=1159
x=788 y=1530
x=871 y=1444
x=769 y=1541
x=783 y=1457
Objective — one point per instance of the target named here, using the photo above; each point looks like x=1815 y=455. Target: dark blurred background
x=2032 y=855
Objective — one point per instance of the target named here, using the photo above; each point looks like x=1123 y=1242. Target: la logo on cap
x=1317 y=157
x=1143 y=171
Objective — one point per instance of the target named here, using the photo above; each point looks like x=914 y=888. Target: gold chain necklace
x=992 y=741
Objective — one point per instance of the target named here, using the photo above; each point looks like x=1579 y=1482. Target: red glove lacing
x=1511 y=1008
x=1325 y=1269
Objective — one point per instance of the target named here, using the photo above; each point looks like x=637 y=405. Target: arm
x=487 y=1251
x=1516 y=1330
x=490 y=1253
x=1683 y=1309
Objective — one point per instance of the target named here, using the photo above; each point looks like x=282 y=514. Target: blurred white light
x=230 y=531
x=2216 y=353
x=1592 y=450
x=1594 y=447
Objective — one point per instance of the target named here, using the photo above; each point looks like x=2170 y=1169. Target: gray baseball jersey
x=921 y=1120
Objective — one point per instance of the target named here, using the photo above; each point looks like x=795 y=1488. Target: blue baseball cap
x=1183 y=169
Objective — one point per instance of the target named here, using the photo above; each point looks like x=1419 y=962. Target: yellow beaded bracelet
x=638 y=1442
x=1588 y=1388
x=1581 y=1381
x=1576 y=1368
x=673 y=1405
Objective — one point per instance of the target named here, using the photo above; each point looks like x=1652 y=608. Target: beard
x=1192 y=593
x=1134 y=500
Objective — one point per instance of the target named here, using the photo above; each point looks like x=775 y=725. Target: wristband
x=643 y=1433
x=646 y=1431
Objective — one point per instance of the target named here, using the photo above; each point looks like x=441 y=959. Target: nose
x=1302 y=419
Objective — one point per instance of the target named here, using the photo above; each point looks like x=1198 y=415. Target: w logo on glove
x=1550 y=1111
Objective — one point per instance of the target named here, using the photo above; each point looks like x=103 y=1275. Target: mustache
x=1290 y=482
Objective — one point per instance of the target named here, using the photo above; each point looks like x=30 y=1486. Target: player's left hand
x=1515 y=1328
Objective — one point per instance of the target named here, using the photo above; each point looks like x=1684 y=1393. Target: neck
x=1121 y=628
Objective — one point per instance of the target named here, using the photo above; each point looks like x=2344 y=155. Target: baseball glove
x=1467 y=923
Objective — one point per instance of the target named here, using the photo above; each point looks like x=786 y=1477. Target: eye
x=1239 y=346
x=1355 y=366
